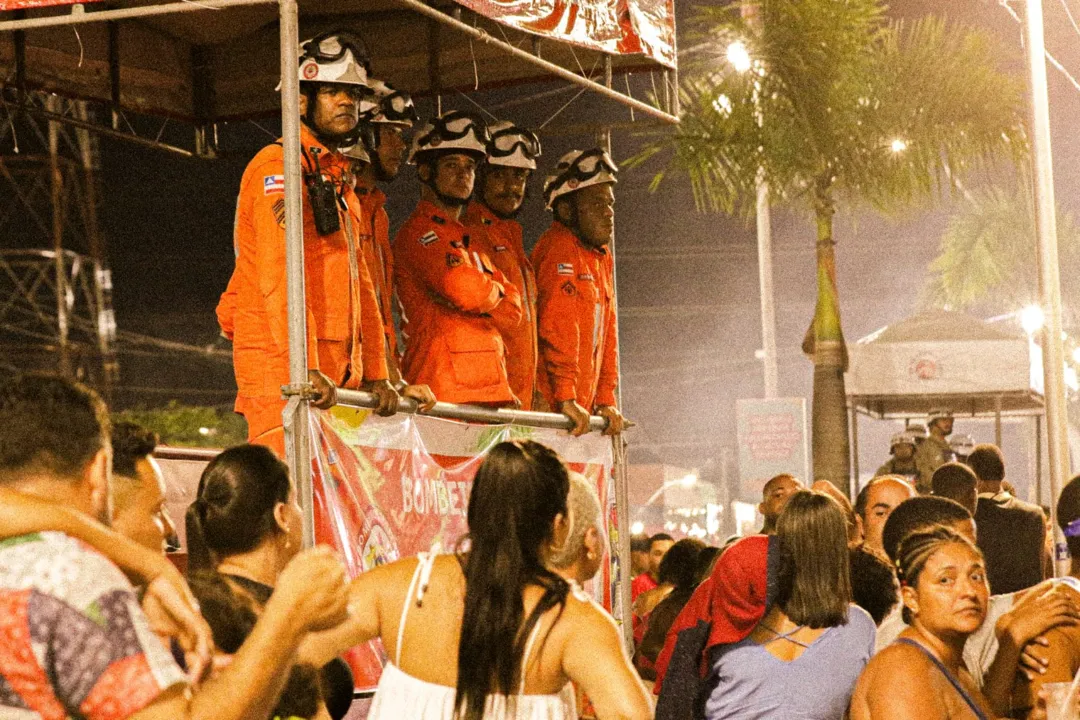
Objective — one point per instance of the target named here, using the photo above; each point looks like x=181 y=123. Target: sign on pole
x=772 y=440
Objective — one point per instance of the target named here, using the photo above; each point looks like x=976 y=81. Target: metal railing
x=473 y=413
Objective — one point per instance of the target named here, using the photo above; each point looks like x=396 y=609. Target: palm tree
x=840 y=105
x=987 y=259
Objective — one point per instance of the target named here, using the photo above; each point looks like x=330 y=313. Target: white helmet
x=357 y=146
x=962 y=445
x=395 y=106
x=577 y=170
x=512 y=146
x=452 y=132
x=335 y=57
x=941 y=413
x=901 y=438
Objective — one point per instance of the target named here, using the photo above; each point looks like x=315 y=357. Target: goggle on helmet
x=455 y=131
x=395 y=106
x=511 y=146
x=335 y=57
x=358 y=145
x=578 y=170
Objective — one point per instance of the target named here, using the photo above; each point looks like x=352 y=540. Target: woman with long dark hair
x=246 y=525
x=804 y=656
x=491 y=632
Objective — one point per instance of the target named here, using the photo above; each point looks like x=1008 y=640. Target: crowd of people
x=900 y=605
x=480 y=321
x=905 y=604
x=98 y=624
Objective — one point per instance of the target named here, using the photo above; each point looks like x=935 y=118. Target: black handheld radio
x=324 y=200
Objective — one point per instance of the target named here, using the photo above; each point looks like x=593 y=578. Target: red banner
x=612 y=26
x=387 y=488
x=28 y=4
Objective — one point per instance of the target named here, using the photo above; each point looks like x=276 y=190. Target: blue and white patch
x=565 y=268
x=428 y=238
x=273 y=184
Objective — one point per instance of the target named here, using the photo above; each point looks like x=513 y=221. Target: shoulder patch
x=565 y=268
x=569 y=288
x=586 y=276
x=279 y=211
x=453 y=260
x=273 y=184
x=428 y=238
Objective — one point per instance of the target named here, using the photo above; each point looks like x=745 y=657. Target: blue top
x=817 y=685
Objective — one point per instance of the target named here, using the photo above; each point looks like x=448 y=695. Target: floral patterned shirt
x=73 y=640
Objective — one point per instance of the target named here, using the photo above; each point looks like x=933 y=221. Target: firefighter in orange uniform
x=376 y=157
x=454 y=301
x=341 y=307
x=511 y=158
x=575 y=279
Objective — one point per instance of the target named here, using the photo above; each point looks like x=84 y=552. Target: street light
x=739 y=56
x=1032 y=319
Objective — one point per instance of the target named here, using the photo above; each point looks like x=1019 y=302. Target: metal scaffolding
x=55 y=303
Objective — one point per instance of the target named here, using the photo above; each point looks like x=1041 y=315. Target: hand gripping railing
x=472 y=413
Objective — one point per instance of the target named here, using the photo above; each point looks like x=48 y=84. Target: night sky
x=687 y=281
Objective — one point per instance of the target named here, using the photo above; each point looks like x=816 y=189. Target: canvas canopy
x=222 y=64
x=945 y=359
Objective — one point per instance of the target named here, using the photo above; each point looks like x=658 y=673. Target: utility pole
x=764 y=244
x=1053 y=351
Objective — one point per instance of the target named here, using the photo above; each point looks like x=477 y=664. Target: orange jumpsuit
x=576 y=320
x=502 y=242
x=253 y=312
x=454 y=303
x=379 y=256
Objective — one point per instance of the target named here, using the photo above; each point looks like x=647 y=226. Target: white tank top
x=400 y=696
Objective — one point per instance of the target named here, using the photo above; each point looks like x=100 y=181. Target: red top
x=642 y=583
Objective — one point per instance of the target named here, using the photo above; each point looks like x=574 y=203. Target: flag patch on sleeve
x=428 y=238
x=565 y=268
x=273 y=184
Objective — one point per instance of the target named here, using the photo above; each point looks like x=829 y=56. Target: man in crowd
x=76 y=643
x=376 y=157
x=511 y=159
x=957 y=482
x=455 y=303
x=659 y=544
x=774 y=497
x=902 y=462
x=138 y=489
x=873 y=505
x=1011 y=531
x=344 y=326
x=935 y=451
x=639 y=555
x=575 y=279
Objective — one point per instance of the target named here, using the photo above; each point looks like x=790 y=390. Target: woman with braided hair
x=922 y=675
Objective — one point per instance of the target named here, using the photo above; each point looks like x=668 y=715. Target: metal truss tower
x=55 y=287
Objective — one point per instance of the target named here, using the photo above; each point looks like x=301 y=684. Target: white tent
x=941 y=358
